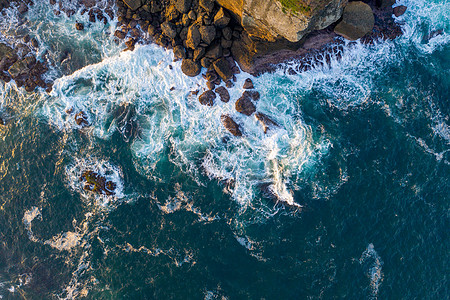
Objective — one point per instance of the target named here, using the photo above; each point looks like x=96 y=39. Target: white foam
x=373 y=267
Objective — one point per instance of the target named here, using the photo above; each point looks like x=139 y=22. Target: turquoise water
x=361 y=157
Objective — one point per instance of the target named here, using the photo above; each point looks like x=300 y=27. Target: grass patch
x=295 y=6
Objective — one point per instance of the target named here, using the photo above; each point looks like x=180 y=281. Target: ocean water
x=347 y=198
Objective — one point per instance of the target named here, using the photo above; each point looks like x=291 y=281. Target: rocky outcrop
x=357 y=21
x=231 y=125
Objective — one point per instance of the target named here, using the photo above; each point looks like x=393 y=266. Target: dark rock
x=226 y=44
x=97 y=183
x=22 y=67
x=130 y=43
x=23 y=8
x=231 y=125
x=199 y=53
x=26 y=38
x=211 y=75
x=185 y=21
x=190 y=67
x=210 y=85
x=229 y=84
x=135 y=33
x=208 y=33
x=207 y=5
x=205 y=62
x=169 y=30
x=357 y=21
x=207 y=98
x=133 y=4
x=254 y=95
x=192 y=15
x=119 y=34
x=399 y=10
x=248 y=84
x=179 y=52
x=221 y=19
x=183 y=6
x=433 y=34
x=81 y=119
x=172 y=13
x=223 y=94
x=245 y=106
x=214 y=51
x=384 y=3
x=222 y=67
x=265 y=121
x=227 y=33
x=193 y=37
x=34 y=43
x=79 y=26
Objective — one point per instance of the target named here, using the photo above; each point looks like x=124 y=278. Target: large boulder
x=357 y=21
x=7 y=57
x=223 y=94
x=133 y=4
x=231 y=125
x=221 y=19
x=22 y=67
x=193 y=36
x=190 y=67
x=245 y=106
x=207 y=98
x=208 y=33
x=169 y=30
x=223 y=69
x=183 y=6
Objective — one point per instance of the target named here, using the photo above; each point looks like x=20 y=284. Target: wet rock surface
x=245 y=106
x=207 y=98
x=97 y=183
x=231 y=125
x=265 y=121
x=223 y=94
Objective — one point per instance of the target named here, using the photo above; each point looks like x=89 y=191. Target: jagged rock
x=34 y=43
x=193 y=37
x=214 y=51
x=97 y=183
x=172 y=13
x=399 y=10
x=130 y=43
x=81 y=119
x=221 y=19
x=22 y=67
x=133 y=4
x=231 y=125
x=79 y=26
x=254 y=95
x=199 y=53
x=245 y=106
x=179 y=52
x=7 y=57
x=190 y=67
x=183 y=6
x=265 y=121
x=207 y=5
x=205 y=62
x=223 y=94
x=192 y=15
x=208 y=33
x=210 y=85
x=169 y=30
x=119 y=34
x=207 y=98
x=248 y=84
x=223 y=69
x=357 y=21
x=227 y=33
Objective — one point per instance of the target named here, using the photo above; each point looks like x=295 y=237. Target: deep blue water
x=363 y=147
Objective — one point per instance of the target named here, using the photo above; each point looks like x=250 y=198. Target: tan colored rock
x=357 y=21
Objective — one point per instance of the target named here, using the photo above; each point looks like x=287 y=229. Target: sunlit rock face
x=270 y=20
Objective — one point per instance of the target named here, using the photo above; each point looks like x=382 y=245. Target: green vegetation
x=295 y=6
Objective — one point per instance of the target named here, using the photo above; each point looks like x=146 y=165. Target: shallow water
x=362 y=151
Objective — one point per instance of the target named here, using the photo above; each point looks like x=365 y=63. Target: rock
x=205 y=62
x=384 y=3
x=208 y=33
x=245 y=106
x=192 y=15
x=223 y=94
x=97 y=183
x=221 y=19
x=399 y=10
x=2 y=122
x=207 y=5
x=229 y=84
x=130 y=43
x=214 y=51
x=22 y=67
x=172 y=13
x=179 y=52
x=357 y=21
x=34 y=43
x=248 y=84
x=193 y=37
x=119 y=34
x=183 y=6
x=81 y=119
x=79 y=26
x=133 y=4
x=207 y=98
x=227 y=33
x=190 y=67
x=265 y=121
x=169 y=30
x=199 y=53
x=231 y=125
x=210 y=85
x=7 y=57
x=254 y=95
x=223 y=69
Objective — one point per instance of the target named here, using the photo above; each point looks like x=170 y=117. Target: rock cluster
x=200 y=32
x=97 y=183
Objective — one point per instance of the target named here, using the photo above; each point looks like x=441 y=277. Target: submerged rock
x=126 y=121
x=81 y=119
x=265 y=121
x=231 y=125
x=97 y=183
x=357 y=21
